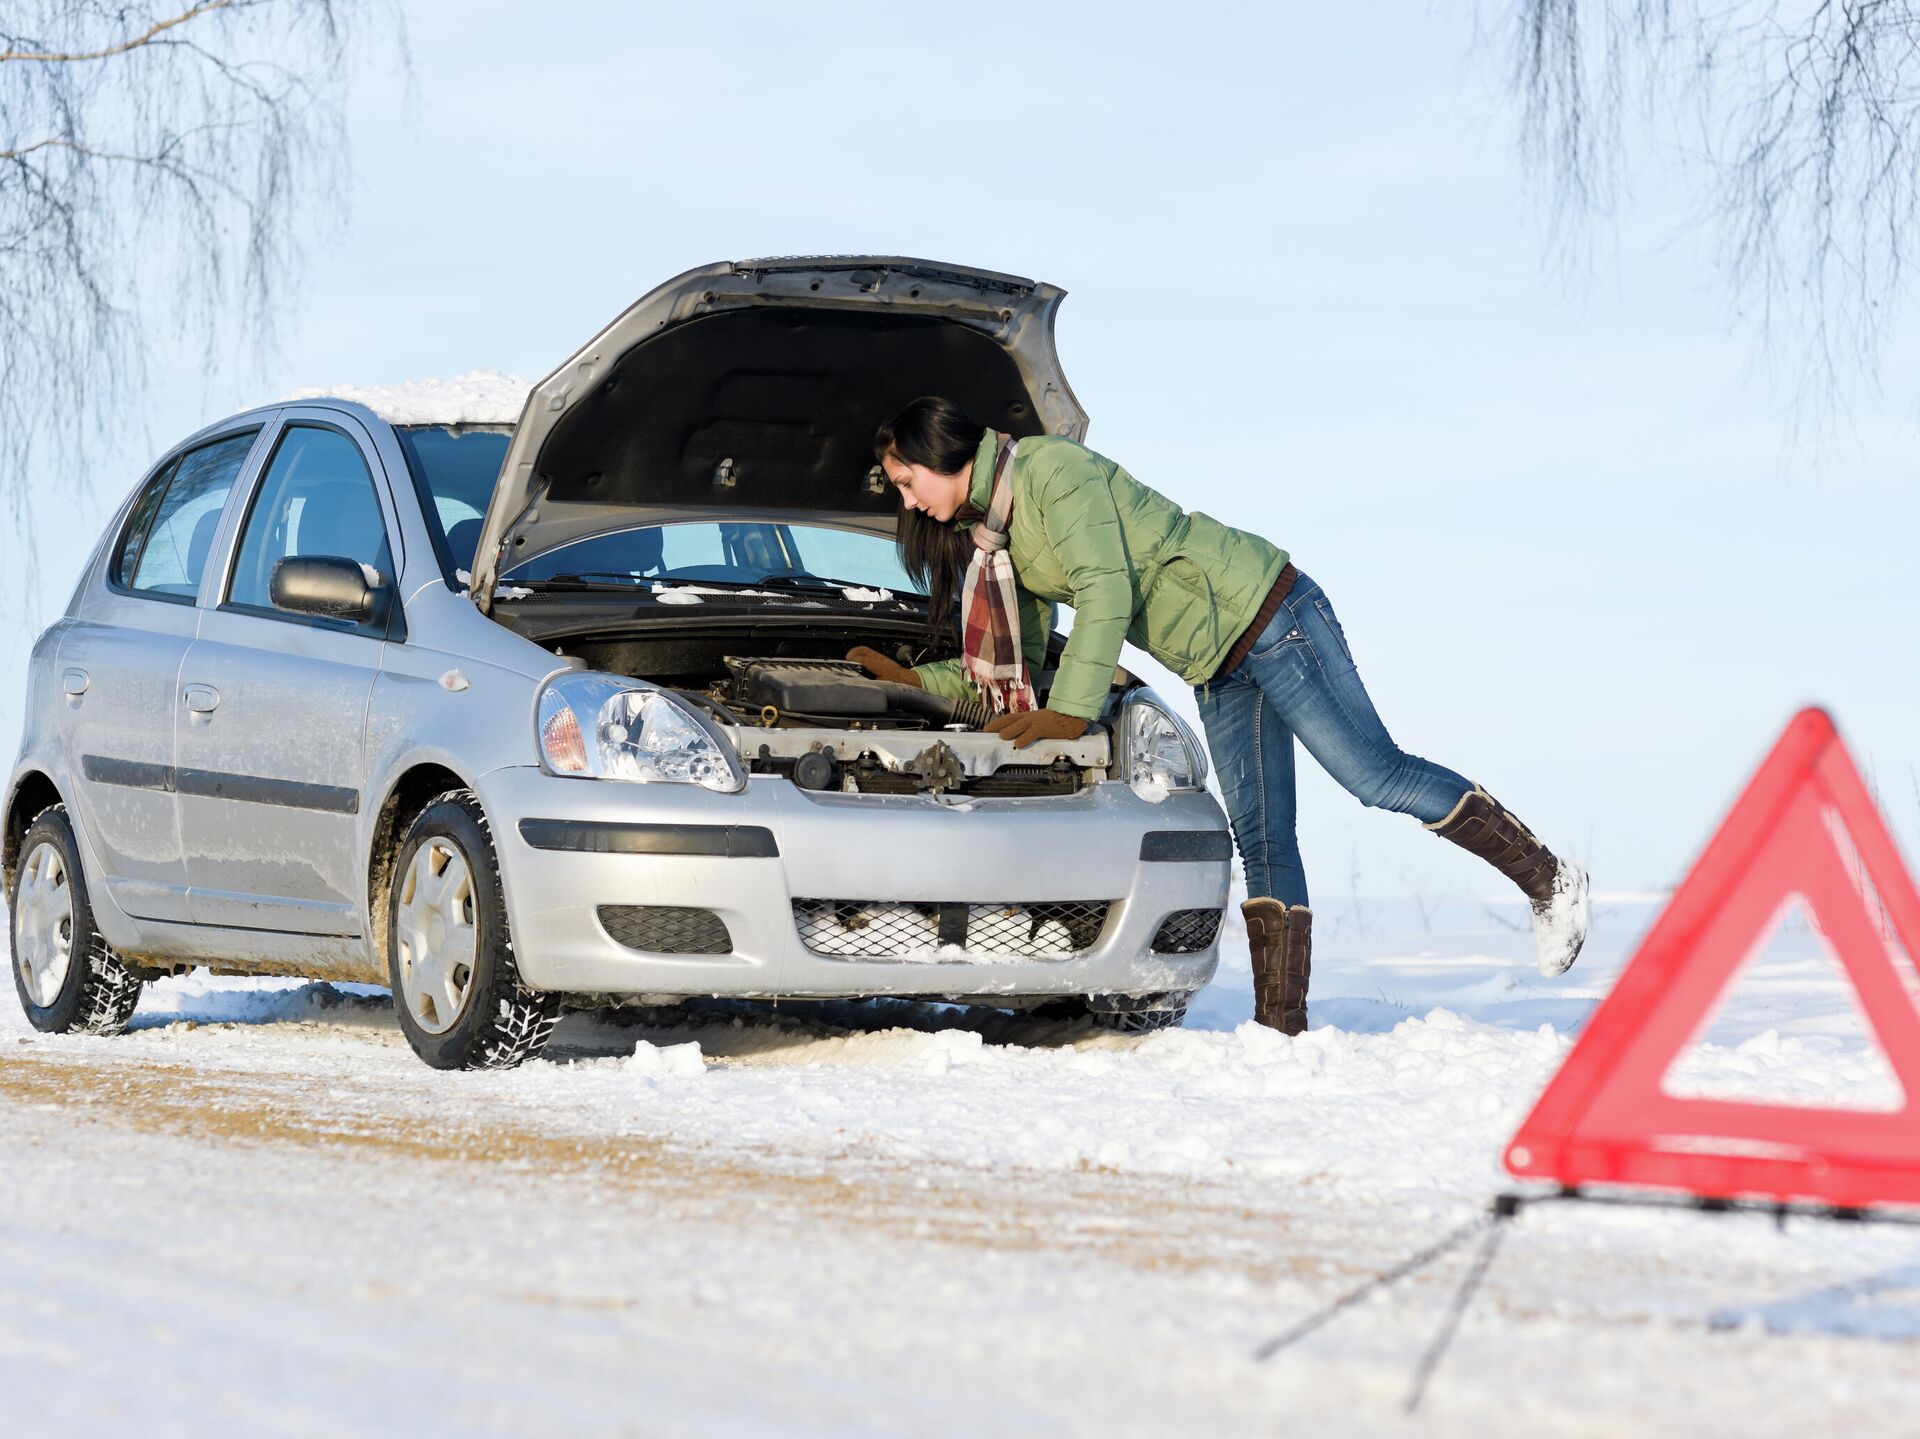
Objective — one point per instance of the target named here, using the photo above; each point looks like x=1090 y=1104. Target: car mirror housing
x=331 y=586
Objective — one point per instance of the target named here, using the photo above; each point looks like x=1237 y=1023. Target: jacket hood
x=758 y=384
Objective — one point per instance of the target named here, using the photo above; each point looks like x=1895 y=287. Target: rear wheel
x=67 y=978
x=449 y=953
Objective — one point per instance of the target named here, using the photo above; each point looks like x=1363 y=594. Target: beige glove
x=1023 y=729
x=882 y=668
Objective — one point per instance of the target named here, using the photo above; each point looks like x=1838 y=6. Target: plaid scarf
x=988 y=605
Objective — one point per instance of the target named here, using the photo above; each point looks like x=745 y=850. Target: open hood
x=757 y=385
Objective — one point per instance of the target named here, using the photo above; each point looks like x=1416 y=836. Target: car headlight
x=603 y=727
x=1162 y=754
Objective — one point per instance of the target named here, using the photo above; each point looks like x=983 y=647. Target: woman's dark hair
x=931 y=431
x=936 y=433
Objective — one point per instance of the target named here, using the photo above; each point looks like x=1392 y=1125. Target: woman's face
x=938 y=495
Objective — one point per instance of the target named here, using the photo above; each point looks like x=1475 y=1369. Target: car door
x=119 y=663
x=272 y=705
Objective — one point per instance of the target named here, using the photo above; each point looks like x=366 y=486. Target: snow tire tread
x=519 y=1020
x=108 y=991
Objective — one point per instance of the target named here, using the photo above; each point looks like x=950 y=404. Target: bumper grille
x=897 y=929
x=666 y=929
x=1010 y=781
x=1186 y=931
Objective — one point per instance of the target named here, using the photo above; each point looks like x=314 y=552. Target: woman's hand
x=1022 y=730
x=882 y=668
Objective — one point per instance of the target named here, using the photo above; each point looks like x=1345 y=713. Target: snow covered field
x=258 y=1213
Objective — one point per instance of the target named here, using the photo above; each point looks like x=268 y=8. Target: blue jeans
x=1299 y=679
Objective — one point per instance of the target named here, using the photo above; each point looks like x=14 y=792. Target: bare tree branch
x=1798 y=123
x=145 y=37
x=162 y=167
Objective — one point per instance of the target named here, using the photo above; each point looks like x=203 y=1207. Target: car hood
x=756 y=385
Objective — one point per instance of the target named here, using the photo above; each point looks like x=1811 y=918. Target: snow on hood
x=479 y=397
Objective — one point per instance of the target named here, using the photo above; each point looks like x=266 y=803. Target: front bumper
x=833 y=846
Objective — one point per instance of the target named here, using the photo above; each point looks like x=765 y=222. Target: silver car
x=524 y=715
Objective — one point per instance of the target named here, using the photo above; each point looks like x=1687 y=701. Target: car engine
x=826 y=725
x=785 y=690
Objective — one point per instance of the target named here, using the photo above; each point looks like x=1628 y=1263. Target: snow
x=479 y=397
x=268 y=1217
x=1560 y=925
x=500 y=592
x=865 y=596
x=672 y=1061
x=678 y=593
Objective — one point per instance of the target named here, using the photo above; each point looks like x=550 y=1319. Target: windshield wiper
x=582 y=580
x=825 y=582
x=622 y=580
x=799 y=582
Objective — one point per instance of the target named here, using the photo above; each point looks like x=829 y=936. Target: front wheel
x=67 y=978
x=449 y=953
x=1160 y=1011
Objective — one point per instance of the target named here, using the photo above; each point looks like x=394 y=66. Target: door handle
x=75 y=682
x=201 y=699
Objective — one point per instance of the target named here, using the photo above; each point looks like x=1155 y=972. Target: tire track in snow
x=1133 y=1221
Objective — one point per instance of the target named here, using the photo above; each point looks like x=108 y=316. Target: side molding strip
x=210 y=784
x=726 y=841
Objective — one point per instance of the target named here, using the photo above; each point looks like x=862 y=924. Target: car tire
x=1141 y=1021
x=449 y=950
x=1169 y=1011
x=68 y=980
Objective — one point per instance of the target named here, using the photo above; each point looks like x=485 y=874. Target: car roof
x=478 y=397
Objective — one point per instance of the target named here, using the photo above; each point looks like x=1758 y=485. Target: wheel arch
x=33 y=792
x=411 y=791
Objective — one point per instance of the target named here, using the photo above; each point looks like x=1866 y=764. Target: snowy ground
x=258 y=1213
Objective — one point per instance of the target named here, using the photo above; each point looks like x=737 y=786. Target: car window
x=735 y=551
x=126 y=555
x=316 y=499
x=454 y=473
x=167 y=555
x=688 y=546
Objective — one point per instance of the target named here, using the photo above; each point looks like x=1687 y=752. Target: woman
x=1008 y=527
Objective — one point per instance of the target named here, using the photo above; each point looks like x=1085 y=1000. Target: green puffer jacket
x=1133 y=565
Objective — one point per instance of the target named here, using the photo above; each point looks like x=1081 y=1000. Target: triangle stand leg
x=1504 y=1208
x=1384 y=1280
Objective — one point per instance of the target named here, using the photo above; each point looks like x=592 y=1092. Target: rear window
x=169 y=536
x=453 y=473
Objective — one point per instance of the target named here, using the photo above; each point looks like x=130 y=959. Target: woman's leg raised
x=1310 y=677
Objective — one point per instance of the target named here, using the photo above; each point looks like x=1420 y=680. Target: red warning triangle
x=1604 y=1118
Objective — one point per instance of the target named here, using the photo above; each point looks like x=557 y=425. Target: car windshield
x=724 y=552
x=454 y=472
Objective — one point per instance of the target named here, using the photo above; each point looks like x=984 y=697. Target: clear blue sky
x=1576 y=555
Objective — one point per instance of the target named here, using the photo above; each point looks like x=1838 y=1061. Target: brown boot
x=1282 y=943
x=1482 y=826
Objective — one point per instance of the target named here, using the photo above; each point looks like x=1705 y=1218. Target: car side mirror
x=331 y=586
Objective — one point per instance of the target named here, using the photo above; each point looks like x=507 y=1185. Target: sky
x=1576 y=548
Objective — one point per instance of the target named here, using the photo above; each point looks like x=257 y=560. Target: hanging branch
x=162 y=168
x=1798 y=125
